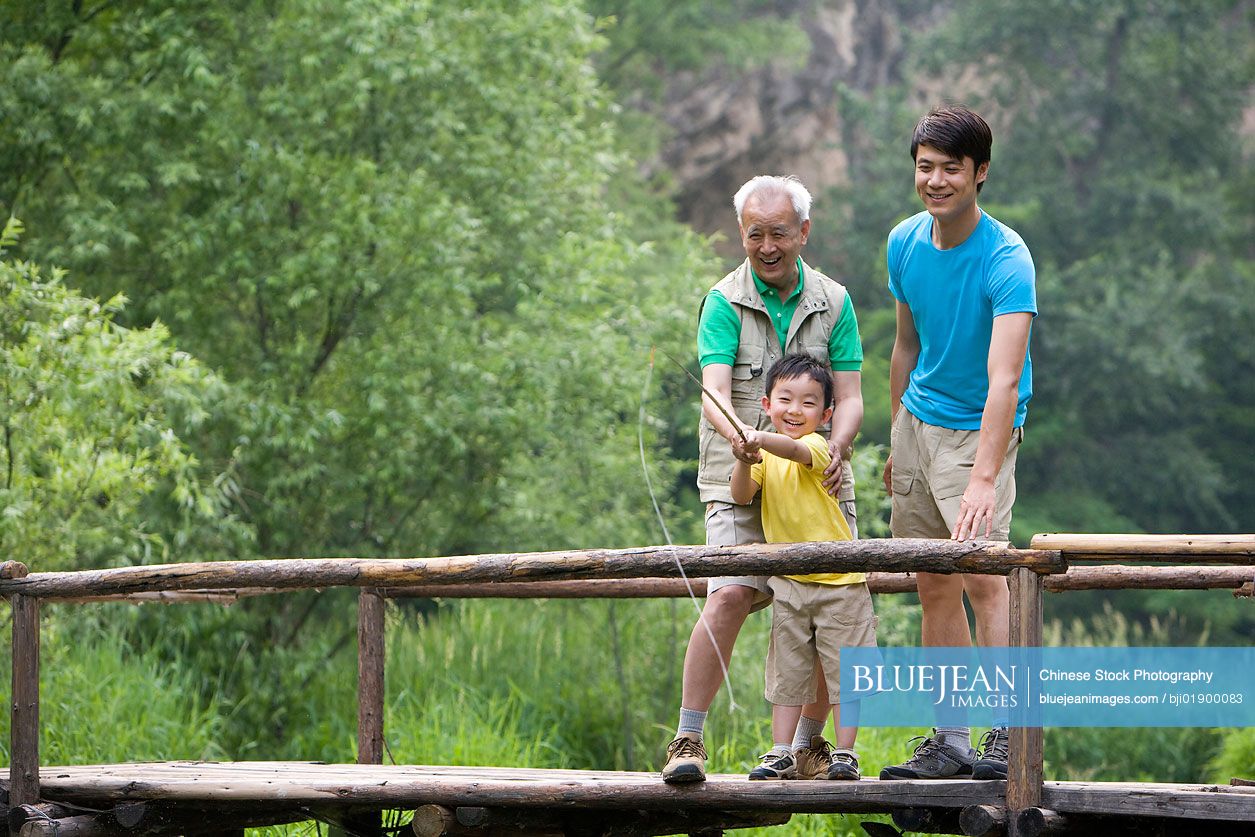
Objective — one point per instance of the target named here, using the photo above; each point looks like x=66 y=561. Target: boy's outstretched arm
x=743 y=486
x=782 y=446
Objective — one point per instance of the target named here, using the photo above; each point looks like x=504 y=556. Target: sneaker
x=686 y=760
x=813 y=761
x=844 y=765
x=992 y=763
x=776 y=765
x=933 y=759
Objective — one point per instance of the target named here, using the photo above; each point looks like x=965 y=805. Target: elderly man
x=772 y=304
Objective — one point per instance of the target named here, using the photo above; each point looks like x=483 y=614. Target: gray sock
x=692 y=721
x=807 y=728
x=958 y=737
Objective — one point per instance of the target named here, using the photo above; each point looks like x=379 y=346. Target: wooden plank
x=888 y=555
x=1210 y=802
x=1148 y=547
x=1024 y=762
x=347 y=786
x=24 y=717
x=370 y=676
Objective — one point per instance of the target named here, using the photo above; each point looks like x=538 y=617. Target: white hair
x=774 y=184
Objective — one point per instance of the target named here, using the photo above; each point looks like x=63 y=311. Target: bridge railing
x=635 y=572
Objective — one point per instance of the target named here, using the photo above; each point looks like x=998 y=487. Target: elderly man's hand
x=836 y=467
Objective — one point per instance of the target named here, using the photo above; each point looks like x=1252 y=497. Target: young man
x=771 y=304
x=813 y=616
x=960 y=378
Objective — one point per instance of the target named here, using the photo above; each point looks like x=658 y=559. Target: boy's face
x=796 y=406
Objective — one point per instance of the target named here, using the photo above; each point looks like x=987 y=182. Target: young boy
x=813 y=616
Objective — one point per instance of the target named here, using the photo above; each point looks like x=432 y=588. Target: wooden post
x=24 y=730
x=1024 y=760
x=370 y=653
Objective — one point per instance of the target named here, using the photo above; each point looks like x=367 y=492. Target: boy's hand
x=750 y=450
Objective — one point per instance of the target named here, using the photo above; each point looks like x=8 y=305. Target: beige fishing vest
x=816 y=316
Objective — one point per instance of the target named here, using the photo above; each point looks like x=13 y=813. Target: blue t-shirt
x=954 y=296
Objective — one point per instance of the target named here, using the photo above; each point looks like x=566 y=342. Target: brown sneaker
x=814 y=761
x=686 y=760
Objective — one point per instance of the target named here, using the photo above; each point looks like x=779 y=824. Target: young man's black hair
x=956 y=131
x=801 y=365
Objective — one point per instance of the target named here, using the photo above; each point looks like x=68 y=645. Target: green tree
x=386 y=224
x=93 y=418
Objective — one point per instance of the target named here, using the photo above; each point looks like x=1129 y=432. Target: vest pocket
x=749 y=363
x=819 y=351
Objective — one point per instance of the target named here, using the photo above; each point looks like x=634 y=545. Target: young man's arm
x=901 y=364
x=847 y=418
x=1007 y=346
x=717 y=377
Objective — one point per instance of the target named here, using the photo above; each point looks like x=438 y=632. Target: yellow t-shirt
x=796 y=508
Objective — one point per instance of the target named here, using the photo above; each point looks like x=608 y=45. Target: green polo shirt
x=719 y=329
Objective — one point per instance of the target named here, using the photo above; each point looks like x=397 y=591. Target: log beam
x=24 y=711
x=1076 y=578
x=1231 y=548
x=983 y=821
x=370 y=676
x=1040 y=822
x=886 y=555
x=927 y=820
x=1025 y=750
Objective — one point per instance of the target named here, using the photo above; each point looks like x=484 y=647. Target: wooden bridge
x=224 y=798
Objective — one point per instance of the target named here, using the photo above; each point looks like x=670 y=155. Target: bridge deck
x=321 y=786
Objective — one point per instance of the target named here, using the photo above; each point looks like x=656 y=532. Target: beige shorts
x=809 y=622
x=728 y=524
x=931 y=467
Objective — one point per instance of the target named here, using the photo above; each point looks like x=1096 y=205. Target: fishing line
x=653 y=498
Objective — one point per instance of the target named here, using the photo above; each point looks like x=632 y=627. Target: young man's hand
x=976 y=511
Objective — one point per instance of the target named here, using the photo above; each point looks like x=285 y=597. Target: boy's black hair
x=801 y=365
x=957 y=131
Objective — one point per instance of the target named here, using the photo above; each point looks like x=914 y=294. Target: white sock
x=807 y=728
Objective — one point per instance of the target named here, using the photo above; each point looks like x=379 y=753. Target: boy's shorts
x=810 y=620
x=728 y=524
x=931 y=467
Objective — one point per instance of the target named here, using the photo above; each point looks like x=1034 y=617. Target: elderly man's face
x=773 y=238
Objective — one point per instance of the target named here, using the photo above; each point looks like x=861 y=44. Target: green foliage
x=104 y=702
x=396 y=248
x=649 y=40
x=93 y=418
x=1236 y=758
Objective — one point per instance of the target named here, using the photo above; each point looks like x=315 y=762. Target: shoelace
x=993 y=745
x=926 y=746
x=689 y=747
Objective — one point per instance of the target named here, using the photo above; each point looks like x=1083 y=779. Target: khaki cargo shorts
x=728 y=524
x=931 y=467
x=809 y=621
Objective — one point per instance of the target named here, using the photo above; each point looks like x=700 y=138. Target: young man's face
x=796 y=406
x=946 y=185
x=773 y=237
